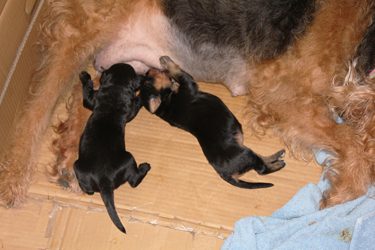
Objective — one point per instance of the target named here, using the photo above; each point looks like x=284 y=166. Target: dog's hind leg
x=17 y=164
x=66 y=51
x=350 y=174
x=310 y=129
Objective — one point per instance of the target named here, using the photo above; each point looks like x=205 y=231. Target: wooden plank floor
x=181 y=204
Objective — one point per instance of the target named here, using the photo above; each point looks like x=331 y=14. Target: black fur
x=366 y=50
x=103 y=163
x=211 y=122
x=263 y=28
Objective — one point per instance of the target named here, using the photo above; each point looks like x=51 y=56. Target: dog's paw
x=14 y=182
x=68 y=180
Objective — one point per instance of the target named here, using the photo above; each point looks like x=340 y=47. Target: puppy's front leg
x=185 y=80
x=87 y=90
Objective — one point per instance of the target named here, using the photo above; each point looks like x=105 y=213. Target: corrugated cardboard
x=18 y=59
x=181 y=204
x=15 y=18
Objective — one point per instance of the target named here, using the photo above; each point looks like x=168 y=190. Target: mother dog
x=304 y=63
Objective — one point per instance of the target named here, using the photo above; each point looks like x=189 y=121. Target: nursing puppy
x=205 y=116
x=103 y=163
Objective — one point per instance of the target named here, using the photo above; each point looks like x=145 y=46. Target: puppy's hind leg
x=134 y=175
x=272 y=163
x=262 y=165
x=138 y=174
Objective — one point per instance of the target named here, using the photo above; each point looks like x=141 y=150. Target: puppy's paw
x=144 y=167
x=84 y=77
x=274 y=162
x=168 y=64
x=137 y=178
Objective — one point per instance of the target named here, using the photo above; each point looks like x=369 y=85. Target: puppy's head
x=120 y=74
x=156 y=87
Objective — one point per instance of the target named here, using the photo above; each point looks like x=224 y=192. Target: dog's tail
x=244 y=184
x=107 y=195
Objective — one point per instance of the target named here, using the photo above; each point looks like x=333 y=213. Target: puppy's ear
x=154 y=104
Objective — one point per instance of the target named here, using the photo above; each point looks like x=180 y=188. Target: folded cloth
x=301 y=225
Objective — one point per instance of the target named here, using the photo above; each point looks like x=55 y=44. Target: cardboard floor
x=181 y=204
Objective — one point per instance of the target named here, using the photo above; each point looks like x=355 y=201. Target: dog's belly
x=140 y=41
x=211 y=63
x=148 y=35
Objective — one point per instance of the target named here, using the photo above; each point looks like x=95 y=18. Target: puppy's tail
x=107 y=195
x=244 y=184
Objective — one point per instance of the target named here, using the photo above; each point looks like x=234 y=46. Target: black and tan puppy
x=103 y=163
x=205 y=116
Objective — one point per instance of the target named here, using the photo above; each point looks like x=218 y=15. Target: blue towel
x=300 y=225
